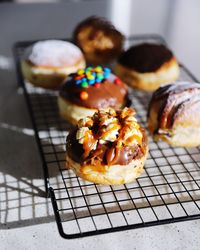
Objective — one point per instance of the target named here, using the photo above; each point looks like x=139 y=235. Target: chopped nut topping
x=81 y=133
x=87 y=122
x=111 y=132
x=112 y=112
x=118 y=128
x=127 y=112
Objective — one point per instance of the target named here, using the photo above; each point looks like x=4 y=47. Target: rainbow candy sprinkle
x=91 y=75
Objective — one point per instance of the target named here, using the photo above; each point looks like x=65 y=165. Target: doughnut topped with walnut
x=91 y=89
x=109 y=147
x=98 y=39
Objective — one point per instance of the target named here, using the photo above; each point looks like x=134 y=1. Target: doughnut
x=146 y=66
x=99 y=40
x=47 y=63
x=88 y=90
x=174 y=114
x=107 y=148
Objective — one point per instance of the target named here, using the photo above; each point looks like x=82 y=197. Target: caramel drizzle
x=112 y=155
x=173 y=96
x=88 y=144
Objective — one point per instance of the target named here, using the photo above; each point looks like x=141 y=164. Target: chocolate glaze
x=172 y=100
x=106 y=95
x=99 y=25
x=105 y=153
x=74 y=148
x=145 y=57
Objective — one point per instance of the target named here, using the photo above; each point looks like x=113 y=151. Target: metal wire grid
x=168 y=190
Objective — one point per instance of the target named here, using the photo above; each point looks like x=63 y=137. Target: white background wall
x=177 y=21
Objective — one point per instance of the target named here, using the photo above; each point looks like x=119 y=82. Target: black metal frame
x=163 y=188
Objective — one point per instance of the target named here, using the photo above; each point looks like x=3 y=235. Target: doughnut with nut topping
x=108 y=148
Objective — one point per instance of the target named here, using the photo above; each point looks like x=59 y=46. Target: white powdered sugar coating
x=54 y=53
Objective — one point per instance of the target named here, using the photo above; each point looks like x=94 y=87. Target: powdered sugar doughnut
x=47 y=63
x=55 y=53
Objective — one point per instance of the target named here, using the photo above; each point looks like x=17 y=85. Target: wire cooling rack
x=168 y=191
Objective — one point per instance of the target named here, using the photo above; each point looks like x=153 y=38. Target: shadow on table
x=22 y=189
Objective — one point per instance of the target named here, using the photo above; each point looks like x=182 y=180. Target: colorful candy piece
x=97 y=84
x=84 y=84
x=88 y=73
x=84 y=95
x=98 y=80
x=88 y=69
x=98 y=69
x=99 y=75
x=106 y=70
x=78 y=82
x=80 y=71
x=117 y=81
x=77 y=77
x=84 y=79
x=106 y=75
x=90 y=76
x=92 y=81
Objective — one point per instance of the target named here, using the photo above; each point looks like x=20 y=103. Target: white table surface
x=184 y=235
x=27 y=220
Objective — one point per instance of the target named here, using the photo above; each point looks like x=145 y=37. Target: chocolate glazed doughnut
x=106 y=95
x=98 y=39
x=174 y=114
x=108 y=148
x=147 y=66
x=91 y=89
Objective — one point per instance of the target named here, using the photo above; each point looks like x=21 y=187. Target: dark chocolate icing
x=98 y=23
x=98 y=31
x=108 y=94
x=145 y=57
x=106 y=153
